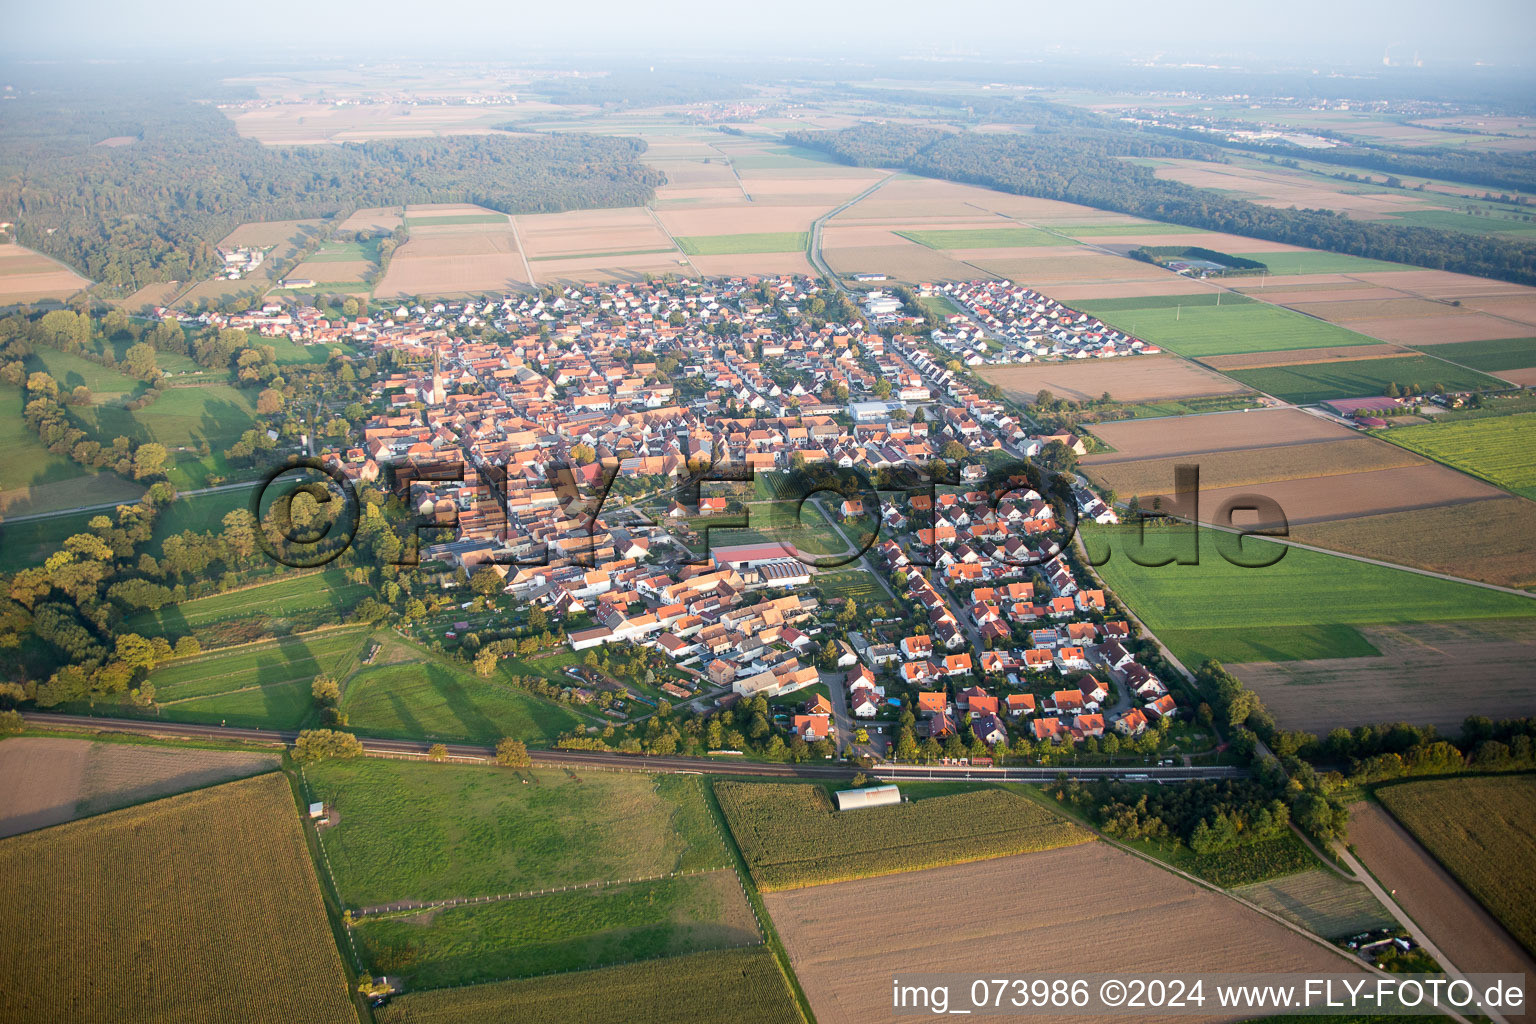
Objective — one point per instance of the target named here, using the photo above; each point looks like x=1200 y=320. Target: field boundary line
x=410 y=907
x=309 y=794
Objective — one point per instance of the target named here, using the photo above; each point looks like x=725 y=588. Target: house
x=985 y=705
x=812 y=727
x=1047 y=729
x=932 y=701
x=941 y=726
x=860 y=678
x=1140 y=681
x=1071 y=659
x=818 y=705
x=1038 y=660
x=1093 y=691
x=1132 y=723
x=1162 y=707
x=1021 y=704
x=1086 y=726
x=957 y=664
x=989 y=729
x=1115 y=655
x=1090 y=599
x=914 y=647
x=864 y=704
x=1061 y=607
x=1068 y=700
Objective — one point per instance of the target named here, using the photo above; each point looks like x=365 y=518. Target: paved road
x=813 y=251
x=632 y=762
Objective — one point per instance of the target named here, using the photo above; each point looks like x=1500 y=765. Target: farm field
x=728 y=245
x=237 y=910
x=1480 y=540
x=435 y=701
x=416 y=831
x=1202 y=328
x=1127 y=379
x=1251 y=360
x=791 y=837
x=27 y=276
x=1453 y=920
x=1306 y=605
x=1489 y=356
x=1194 y=926
x=558 y=932
x=1321 y=902
x=455 y=250
x=1413 y=674
x=1501 y=450
x=851 y=584
x=1479 y=829
x=983 y=238
x=1308 y=261
x=33 y=479
x=51 y=781
x=1226 y=432
x=723 y=987
x=1310 y=383
x=298 y=596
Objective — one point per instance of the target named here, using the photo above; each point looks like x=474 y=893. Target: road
x=630 y=762
x=813 y=250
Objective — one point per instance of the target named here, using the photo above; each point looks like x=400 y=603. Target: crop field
x=1452 y=918
x=1412 y=674
x=436 y=701
x=1304 y=606
x=232 y=924
x=418 y=831
x=727 y=245
x=1147 y=477
x=1249 y=863
x=27 y=276
x=50 y=781
x=561 y=931
x=791 y=837
x=426 y=220
x=1128 y=379
x=983 y=238
x=1306 y=261
x=1321 y=902
x=1208 y=329
x=1490 y=356
x=1479 y=829
x=298 y=597
x=855 y=585
x=1480 y=540
x=1251 y=360
x=1310 y=383
x=723 y=987
x=1192 y=928
x=1501 y=451
x=1150 y=227
x=1237 y=431
x=482 y=255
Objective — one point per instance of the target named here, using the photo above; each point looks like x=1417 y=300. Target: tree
x=437 y=752
x=320 y=744
x=149 y=460
x=269 y=402
x=583 y=454
x=485 y=581
x=11 y=723
x=326 y=691
x=859 y=779
x=954 y=451
x=485 y=662
x=140 y=361
x=511 y=753
x=861 y=735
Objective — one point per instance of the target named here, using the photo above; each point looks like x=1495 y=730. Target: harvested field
x=790 y=835
x=1344 y=354
x=1443 y=284
x=850 y=982
x=1219 y=432
x=908 y=262
x=1173 y=285
x=1452 y=919
x=1373 y=307
x=1524 y=378
x=333 y=271
x=27 y=276
x=377 y=218
x=199 y=907
x=1252 y=466
x=731 y=245
x=1480 y=540
x=1130 y=379
x=1321 y=902
x=582 y=232
x=740 y=220
x=1434 y=330
x=1322 y=498
x=1479 y=829
x=1420 y=676
x=753 y=263
x=1087 y=267
x=1521 y=307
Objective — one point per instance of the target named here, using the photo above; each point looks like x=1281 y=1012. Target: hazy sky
x=1356 y=31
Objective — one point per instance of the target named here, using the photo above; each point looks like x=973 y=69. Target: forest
x=1084 y=162
x=177 y=177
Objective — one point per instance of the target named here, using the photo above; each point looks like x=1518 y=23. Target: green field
x=179 y=418
x=1151 y=227
x=1203 y=328
x=856 y=584
x=295 y=596
x=725 y=987
x=1450 y=220
x=71 y=371
x=1480 y=830
x=984 y=238
x=1310 y=383
x=1490 y=356
x=195 y=908
x=1501 y=450
x=562 y=931
x=438 y=220
x=729 y=245
x=346 y=252
x=791 y=837
x=1305 y=262
x=437 y=701
x=418 y=831
x=200 y=513
x=777 y=522
x=1304 y=606
x=1321 y=902
x=1190 y=406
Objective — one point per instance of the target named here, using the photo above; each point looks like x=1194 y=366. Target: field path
x=813 y=249
x=523 y=255
x=671 y=238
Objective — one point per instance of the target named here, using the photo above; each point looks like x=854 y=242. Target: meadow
x=435 y=700
x=983 y=238
x=790 y=836
x=418 y=831
x=1203 y=328
x=26 y=463
x=729 y=245
x=1310 y=383
x=295 y=596
x=1303 y=606
x=1501 y=450
x=1321 y=902
x=1491 y=356
x=1480 y=830
x=1303 y=261
x=561 y=931
x=723 y=987
x=201 y=907
x=72 y=371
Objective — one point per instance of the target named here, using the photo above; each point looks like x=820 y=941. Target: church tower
x=439 y=394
